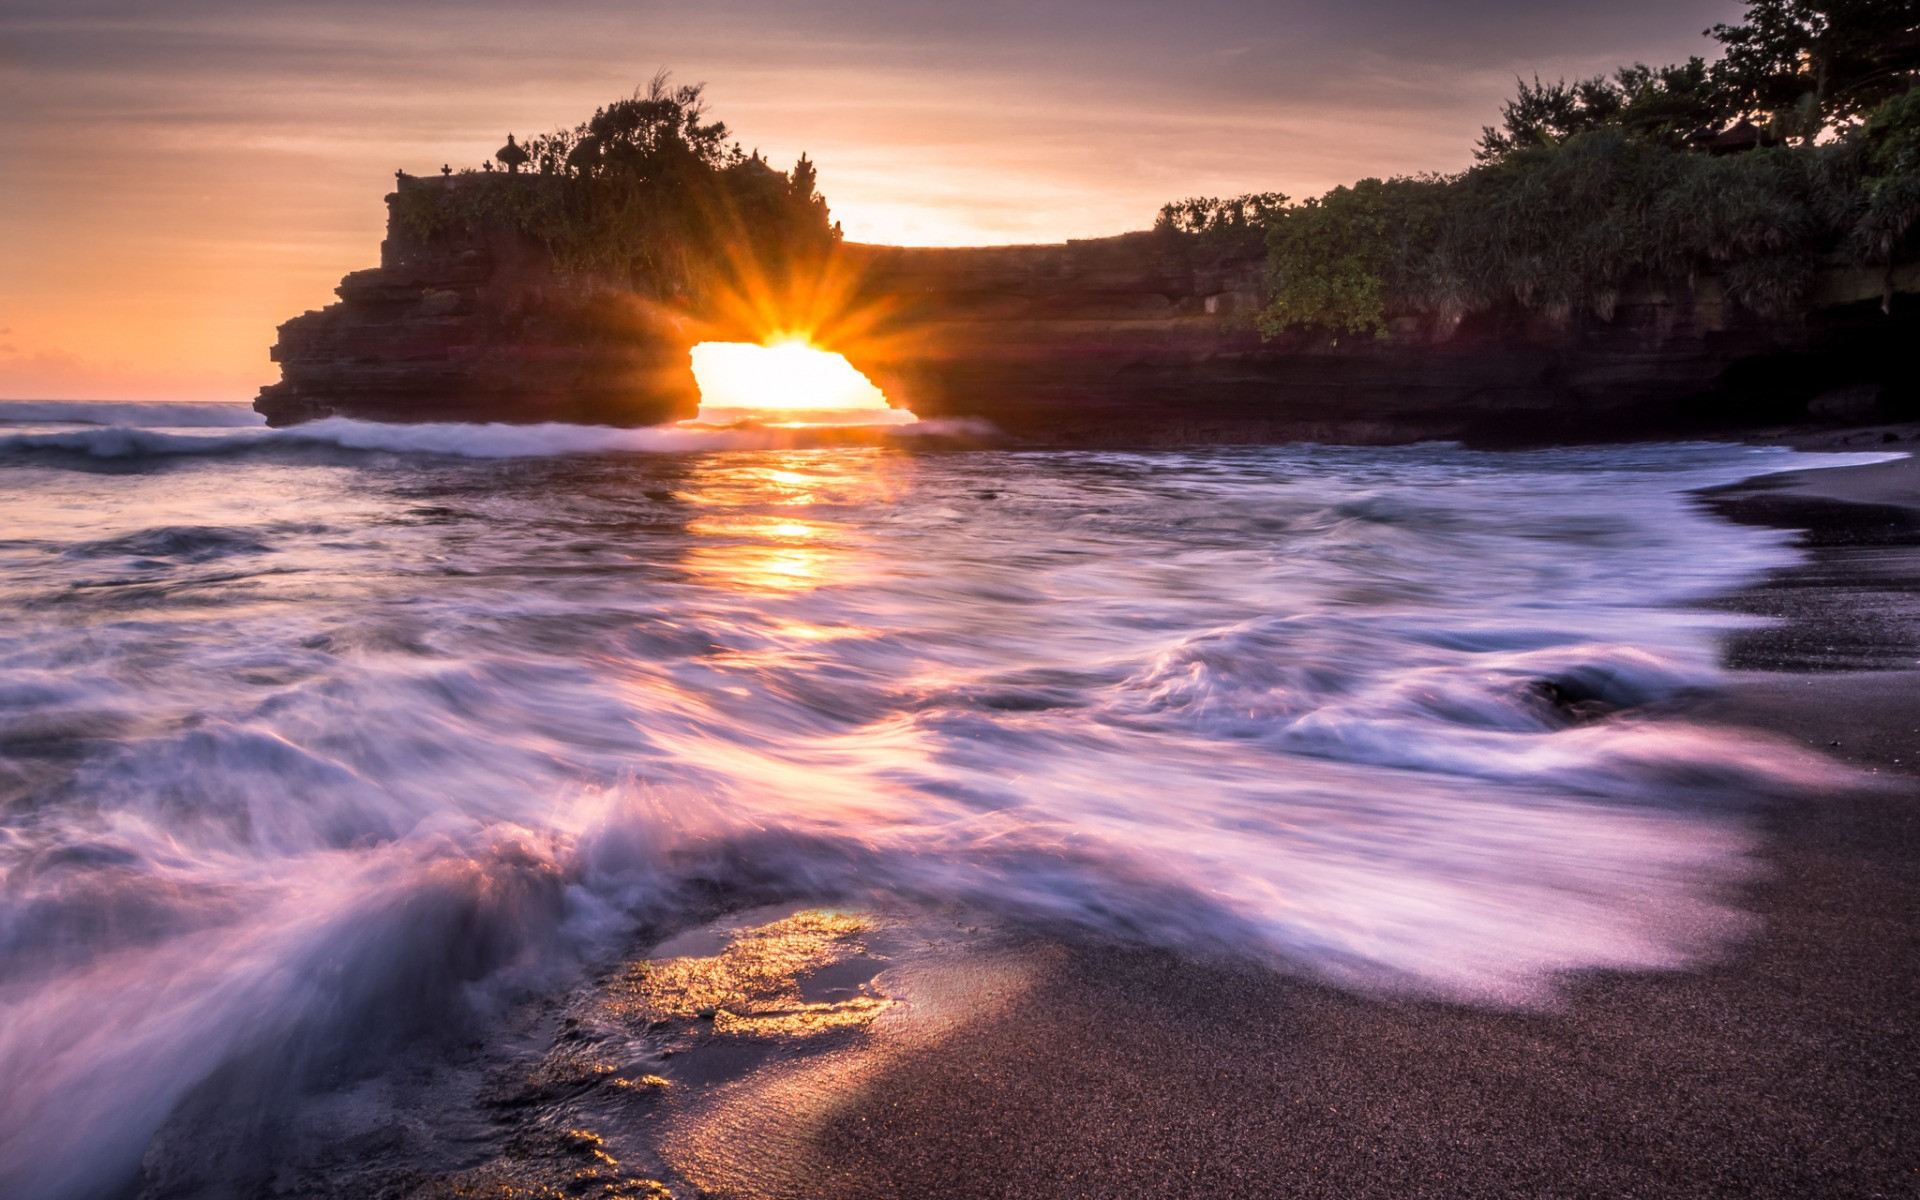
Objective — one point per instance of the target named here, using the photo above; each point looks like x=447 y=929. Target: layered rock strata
x=476 y=325
x=1131 y=338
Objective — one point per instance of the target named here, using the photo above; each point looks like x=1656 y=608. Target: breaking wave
x=302 y=760
x=450 y=439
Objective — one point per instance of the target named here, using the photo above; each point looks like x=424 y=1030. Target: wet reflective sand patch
x=754 y=985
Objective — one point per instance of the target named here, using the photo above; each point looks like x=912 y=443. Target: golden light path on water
x=786 y=381
x=752 y=534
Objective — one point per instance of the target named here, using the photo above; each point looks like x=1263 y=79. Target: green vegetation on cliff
x=1556 y=230
x=1587 y=189
x=647 y=192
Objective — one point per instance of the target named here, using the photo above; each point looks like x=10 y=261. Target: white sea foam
x=308 y=756
x=451 y=439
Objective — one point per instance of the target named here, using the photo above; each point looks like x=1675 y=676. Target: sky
x=177 y=178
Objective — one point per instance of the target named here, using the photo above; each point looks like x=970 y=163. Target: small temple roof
x=512 y=155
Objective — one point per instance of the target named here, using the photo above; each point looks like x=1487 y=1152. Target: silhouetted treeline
x=1799 y=148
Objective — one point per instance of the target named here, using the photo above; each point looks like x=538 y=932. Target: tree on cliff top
x=1799 y=67
x=648 y=191
x=1566 y=229
x=657 y=134
x=1665 y=105
x=1223 y=226
x=1586 y=190
x=1812 y=63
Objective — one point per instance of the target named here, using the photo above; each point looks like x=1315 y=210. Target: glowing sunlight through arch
x=786 y=382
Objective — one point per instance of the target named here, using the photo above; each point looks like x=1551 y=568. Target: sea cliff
x=1143 y=338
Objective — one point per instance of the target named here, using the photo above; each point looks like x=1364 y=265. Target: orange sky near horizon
x=177 y=185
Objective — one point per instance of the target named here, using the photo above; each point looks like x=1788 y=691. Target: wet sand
x=1889 y=483
x=1790 y=1067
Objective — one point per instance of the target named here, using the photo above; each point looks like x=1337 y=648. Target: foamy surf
x=451 y=439
x=313 y=755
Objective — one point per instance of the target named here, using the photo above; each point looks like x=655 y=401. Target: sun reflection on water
x=747 y=533
x=783 y=546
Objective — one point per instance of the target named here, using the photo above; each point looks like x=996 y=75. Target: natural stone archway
x=1132 y=339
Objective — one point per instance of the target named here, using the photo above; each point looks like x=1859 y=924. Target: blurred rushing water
x=314 y=739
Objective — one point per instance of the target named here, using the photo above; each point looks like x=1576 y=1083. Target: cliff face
x=478 y=327
x=1131 y=339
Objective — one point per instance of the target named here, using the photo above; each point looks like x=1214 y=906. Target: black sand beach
x=750 y=1045
x=1791 y=1067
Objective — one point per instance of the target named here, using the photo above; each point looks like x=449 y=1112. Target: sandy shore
x=790 y=1052
x=1890 y=483
x=1791 y=1067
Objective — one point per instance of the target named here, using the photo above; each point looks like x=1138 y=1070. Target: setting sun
x=786 y=382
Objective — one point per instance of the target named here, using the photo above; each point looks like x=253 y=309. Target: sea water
x=315 y=740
